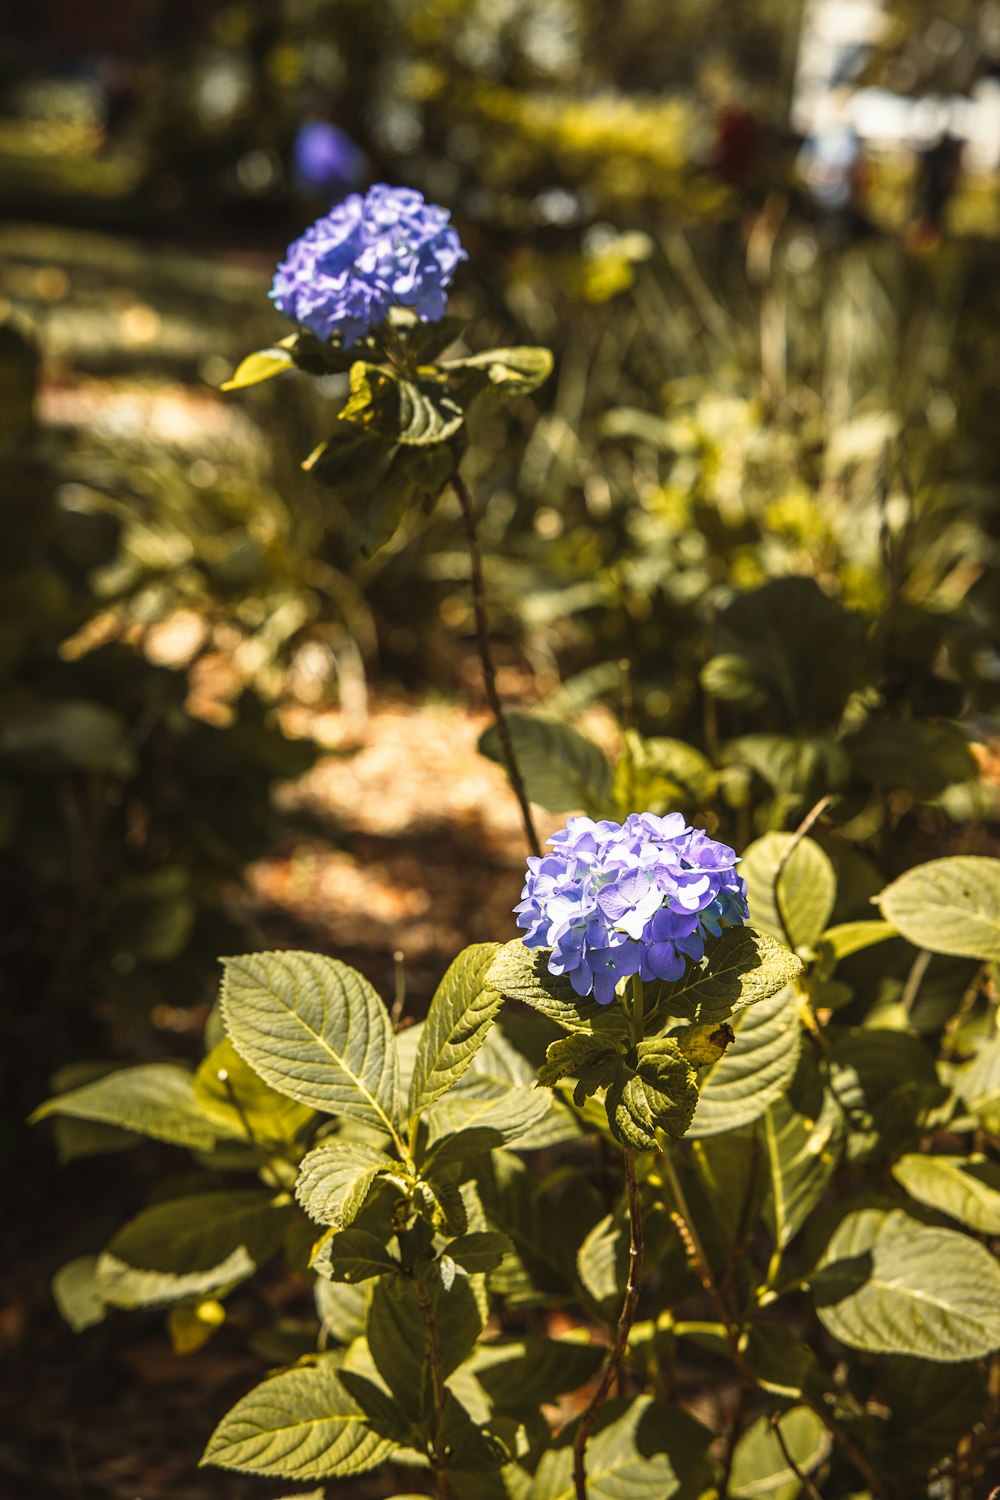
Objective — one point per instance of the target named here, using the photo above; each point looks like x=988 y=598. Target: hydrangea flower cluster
x=367 y=254
x=639 y=897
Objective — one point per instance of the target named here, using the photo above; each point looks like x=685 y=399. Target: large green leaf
x=562 y=770
x=335 y=1178
x=759 y=1463
x=640 y=1450
x=741 y=967
x=192 y=1245
x=756 y=1069
x=965 y=1188
x=301 y=1424
x=521 y=973
x=948 y=906
x=315 y=1030
x=462 y=1011
x=795 y=906
x=802 y=1156
x=889 y=1284
x=241 y=1104
x=156 y=1099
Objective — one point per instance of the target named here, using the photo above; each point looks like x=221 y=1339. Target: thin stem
x=804 y=1479
x=850 y=1447
x=613 y=1364
x=439 y=1451
x=486 y=657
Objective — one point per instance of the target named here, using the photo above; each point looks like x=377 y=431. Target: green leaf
x=263 y=364
x=660 y=776
x=640 y=1450
x=192 y=1245
x=513 y=372
x=464 y=1126
x=342 y=1309
x=759 y=1464
x=920 y=757
x=156 y=1099
x=314 y=1029
x=352 y=1255
x=933 y=1407
x=600 y=1262
x=979 y=1085
x=848 y=938
x=223 y=1077
x=948 y=906
x=462 y=1011
x=335 y=1178
x=381 y=1412
x=884 y=1081
x=471 y=1447
x=530 y=1371
x=562 y=770
x=301 y=1424
x=779 y=1361
x=756 y=1069
x=397 y=1336
x=582 y=1055
x=656 y=1091
x=128 y=1287
x=351 y=462
x=742 y=967
x=802 y=1156
x=427 y=414
x=480 y=1251
x=798 y=910
x=521 y=973
x=889 y=1284
x=77 y=1294
x=964 y=1188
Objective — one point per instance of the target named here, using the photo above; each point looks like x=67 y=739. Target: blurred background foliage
x=753 y=513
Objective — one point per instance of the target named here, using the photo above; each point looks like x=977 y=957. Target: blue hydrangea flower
x=639 y=897
x=365 y=256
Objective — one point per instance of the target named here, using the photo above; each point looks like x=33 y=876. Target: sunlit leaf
x=300 y=1424
x=461 y=1013
x=794 y=906
x=948 y=906
x=889 y=1284
x=964 y=1188
x=755 y=1070
x=335 y=1177
x=314 y=1029
x=156 y=1099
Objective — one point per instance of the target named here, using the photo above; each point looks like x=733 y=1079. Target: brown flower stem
x=486 y=657
x=613 y=1364
x=695 y=1251
x=439 y=1452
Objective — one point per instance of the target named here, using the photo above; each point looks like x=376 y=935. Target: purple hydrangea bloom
x=365 y=256
x=639 y=897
